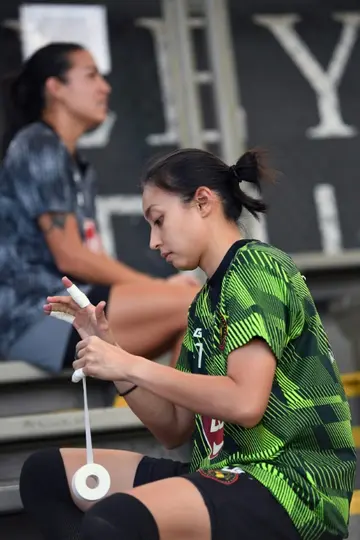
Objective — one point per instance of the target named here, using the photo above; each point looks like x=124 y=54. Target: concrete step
x=52 y=395
x=25 y=389
x=66 y=423
x=28 y=390
x=21 y=372
x=9 y=497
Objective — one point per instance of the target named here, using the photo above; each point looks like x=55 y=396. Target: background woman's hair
x=185 y=170
x=24 y=93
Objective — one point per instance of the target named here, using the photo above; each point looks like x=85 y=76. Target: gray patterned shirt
x=38 y=175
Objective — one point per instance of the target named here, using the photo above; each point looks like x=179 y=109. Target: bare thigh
x=177 y=507
x=147 y=319
x=120 y=464
x=176 y=504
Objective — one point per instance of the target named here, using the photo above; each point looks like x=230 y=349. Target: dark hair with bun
x=185 y=170
x=24 y=93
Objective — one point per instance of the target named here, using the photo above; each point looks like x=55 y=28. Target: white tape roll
x=78 y=375
x=78 y=296
x=81 y=488
x=62 y=316
x=90 y=470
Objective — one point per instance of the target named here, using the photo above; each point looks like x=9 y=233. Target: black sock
x=119 y=517
x=46 y=496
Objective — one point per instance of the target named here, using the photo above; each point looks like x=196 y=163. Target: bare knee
x=177 y=507
x=120 y=464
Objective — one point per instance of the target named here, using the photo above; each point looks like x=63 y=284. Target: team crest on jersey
x=214 y=434
x=219 y=475
x=223 y=332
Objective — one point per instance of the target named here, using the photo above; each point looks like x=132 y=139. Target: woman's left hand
x=101 y=360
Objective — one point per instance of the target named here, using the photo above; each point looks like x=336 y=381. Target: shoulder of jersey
x=265 y=252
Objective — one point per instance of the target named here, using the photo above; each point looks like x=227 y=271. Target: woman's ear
x=204 y=200
x=53 y=87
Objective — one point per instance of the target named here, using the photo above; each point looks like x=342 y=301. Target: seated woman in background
x=48 y=223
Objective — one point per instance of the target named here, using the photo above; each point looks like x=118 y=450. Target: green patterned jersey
x=303 y=449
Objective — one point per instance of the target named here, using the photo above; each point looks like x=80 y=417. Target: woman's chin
x=95 y=123
x=183 y=266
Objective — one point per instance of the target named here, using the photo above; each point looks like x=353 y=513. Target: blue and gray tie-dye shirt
x=38 y=175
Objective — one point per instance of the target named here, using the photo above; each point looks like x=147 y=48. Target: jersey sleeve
x=256 y=299
x=38 y=167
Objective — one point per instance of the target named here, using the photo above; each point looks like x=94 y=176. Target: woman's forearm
x=169 y=425
x=207 y=395
x=99 y=268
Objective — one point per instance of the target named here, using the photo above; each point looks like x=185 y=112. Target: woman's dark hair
x=185 y=170
x=24 y=93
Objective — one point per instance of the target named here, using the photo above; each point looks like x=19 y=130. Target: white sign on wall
x=83 y=24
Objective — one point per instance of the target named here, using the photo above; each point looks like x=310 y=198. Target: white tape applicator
x=97 y=473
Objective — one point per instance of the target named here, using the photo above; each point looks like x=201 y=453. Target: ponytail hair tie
x=234 y=173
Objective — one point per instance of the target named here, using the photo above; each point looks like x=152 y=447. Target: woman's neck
x=221 y=241
x=67 y=129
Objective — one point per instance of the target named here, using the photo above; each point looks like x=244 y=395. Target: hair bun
x=234 y=173
x=247 y=168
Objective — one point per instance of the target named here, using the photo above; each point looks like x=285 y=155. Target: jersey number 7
x=200 y=349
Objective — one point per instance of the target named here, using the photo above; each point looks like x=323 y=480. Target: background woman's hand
x=184 y=279
x=88 y=321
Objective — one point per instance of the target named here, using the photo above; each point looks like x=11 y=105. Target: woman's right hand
x=88 y=321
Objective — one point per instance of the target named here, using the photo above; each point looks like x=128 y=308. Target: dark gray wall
x=279 y=103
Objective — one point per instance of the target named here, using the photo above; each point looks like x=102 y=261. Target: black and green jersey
x=303 y=449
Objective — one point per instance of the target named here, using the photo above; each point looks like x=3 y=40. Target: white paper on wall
x=84 y=24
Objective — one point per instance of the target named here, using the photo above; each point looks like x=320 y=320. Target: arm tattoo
x=57 y=222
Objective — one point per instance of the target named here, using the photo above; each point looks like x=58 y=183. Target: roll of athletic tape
x=80 y=487
x=97 y=472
